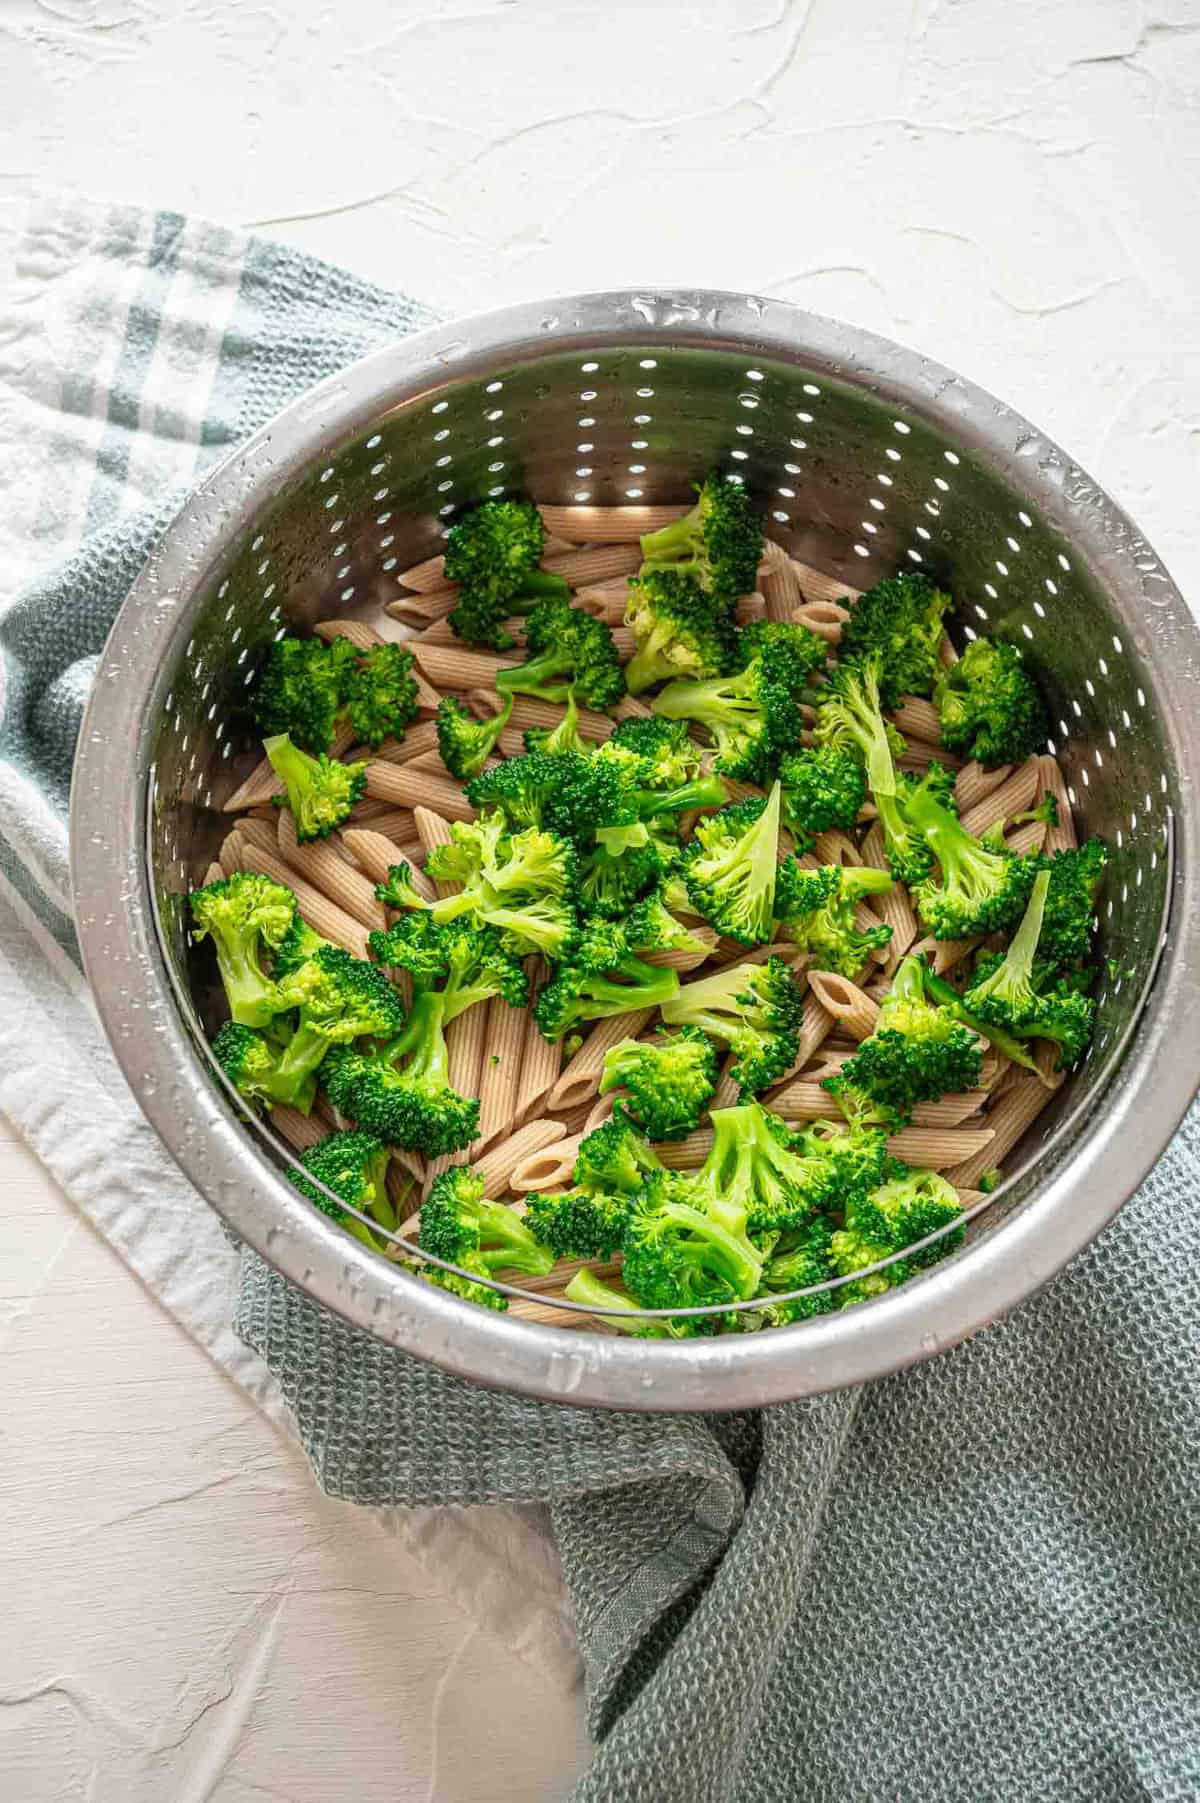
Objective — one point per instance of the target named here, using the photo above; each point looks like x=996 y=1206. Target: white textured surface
x=1014 y=188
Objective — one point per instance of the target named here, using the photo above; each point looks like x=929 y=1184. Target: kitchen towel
x=979 y=1578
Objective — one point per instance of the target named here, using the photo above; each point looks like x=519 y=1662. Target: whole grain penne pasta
x=834 y=847
x=454 y=667
x=300 y=1130
x=601 y=1110
x=426 y=575
x=946 y=652
x=362 y=636
x=682 y=959
x=423 y=609
x=466 y=1038
x=556 y=1281
x=548 y=1168
x=943 y=1148
x=630 y=707
x=607 y=525
x=816 y=1024
x=1028 y=838
x=1014 y=796
x=419 y=738
x=773 y=557
x=438 y=632
x=433 y=829
x=845 y=1002
x=605 y=601
x=261 y=832
x=541 y=1058
x=782 y=592
x=230 y=855
x=321 y=914
x=405 y=786
x=750 y=608
x=686 y=1154
x=726 y=1093
x=498 y=1163
x=945 y=954
x=503 y=1041
x=392 y=824
x=262 y=784
x=825 y=618
x=973 y=783
x=580 y=567
x=321 y=865
x=1010 y=1115
x=806 y=1100
x=213 y=874
x=577 y=1084
x=818 y=586
x=918 y=718
x=1051 y=781
x=545 y=1314
x=893 y=906
x=377 y=854
x=919 y=754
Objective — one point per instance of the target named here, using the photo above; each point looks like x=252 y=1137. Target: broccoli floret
x=730 y=867
x=470 y=962
x=340 y=999
x=402 y=1092
x=679 y=628
x=300 y=690
x=306 y=686
x=465 y=743
x=614 y=881
x=756 y=1165
x=686 y=1246
x=493 y=553
x=247 y=917
x=586 y=1287
x=565 y=737
x=948 y=998
x=935 y=780
x=523 y=884
x=569 y=649
x=983 y=888
x=1006 y=992
x=719 y=541
x=380 y=693
x=754 y=1009
x=588 y=1221
x=320 y=790
x=251 y=1063
x=817 y=908
x=803 y=1263
x=899 y=623
x=989 y=705
x=1075 y=878
x=297 y=946
x=587 y=797
x=850 y=719
x=614 y=1160
x=917 y=1052
x=888 y=1220
x=796 y=652
x=464 y=1287
x=669 y=754
x=460 y=1224
x=753 y=717
x=652 y=927
x=602 y=976
x=668 y=1081
x=822 y=789
x=354 y=1166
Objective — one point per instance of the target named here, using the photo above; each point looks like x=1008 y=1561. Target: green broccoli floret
x=493 y=553
x=719 y=541
x=469 y=962
x=601 y=976
x=650 y=926
x=300 y=690
x=569 y=649
x=464 y=1287
x=754 y=1009
x=668 y=1081
x=989 y=705
x=898 y=623
x=380 y=693
x=587 y=1288
x=917 y=1052
x=803 y=1263
x=1075 y=878
x=251 y=1063
x=948 y=998
x=817 y=909
x=402 y=1092
x=614 y=1160
x=465 y=743
x=679 y=628
x=320 y=790
x=565 y=737
x=936 y=780
x=354 y=1166
x=982 y=888
x=670 y=756
x=1005 y=991
x=753 y=717
x=588 y=796
x=822 y=789
x=889 y=1220
x=612 y=882
x=587 y=1221
x=307 y=686
x=730 y=867
x=850 y=719
x=297 y=946
x=757 y=1165
x=459 y=1223
x=796 y=653
x=686 y=1246
x=340 y=999
x=247 y=917
x=523 y=884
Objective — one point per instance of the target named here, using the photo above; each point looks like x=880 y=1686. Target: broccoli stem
x=547 y=676
x=297 y=1062
x=701 y=792
x=648 y=987
x=423 y=1042
x=541 y=585
x=672 y=542
x=945 y=993
x=1012 y=981
x=591 y=1290
x=250 y=994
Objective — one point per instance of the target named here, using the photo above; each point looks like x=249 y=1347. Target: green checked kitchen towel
x=980 y=1579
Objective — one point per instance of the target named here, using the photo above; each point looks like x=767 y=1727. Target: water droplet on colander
x=549 y=323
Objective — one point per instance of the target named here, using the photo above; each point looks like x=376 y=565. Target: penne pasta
x=818 y=586
x=541 y=1058
x=607 y=525
x=919 y=754
x=685 y=960
x=377 y=854
x=893 y=907
x=504 y=1037
x=689 y=1153
x=1061 y=837
x=919 y=719
x=497 y=1165
x=577 y=1084
x=322 y=866
x=262 y=784
x=782 y=592
x=404 y=786
x=316 y=909
x=1015 y=795
x=579 y=567
x=362 y=636
x=454 y=667
x=1010 y=1115
x=528 y=712
x=825 y=618
x=973 y=783
x=943 y=1148
x=548 y=1168
x=213 y=874
x=433 y=830
x=422 y=609
x=845 y=1002
x=300 y=1130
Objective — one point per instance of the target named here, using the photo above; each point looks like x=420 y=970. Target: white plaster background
x=1010 y=185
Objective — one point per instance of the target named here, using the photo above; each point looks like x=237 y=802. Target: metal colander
x=866 y=458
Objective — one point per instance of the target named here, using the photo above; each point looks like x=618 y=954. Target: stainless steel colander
x=867 y=458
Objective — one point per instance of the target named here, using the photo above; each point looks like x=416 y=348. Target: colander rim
x=126 y=966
